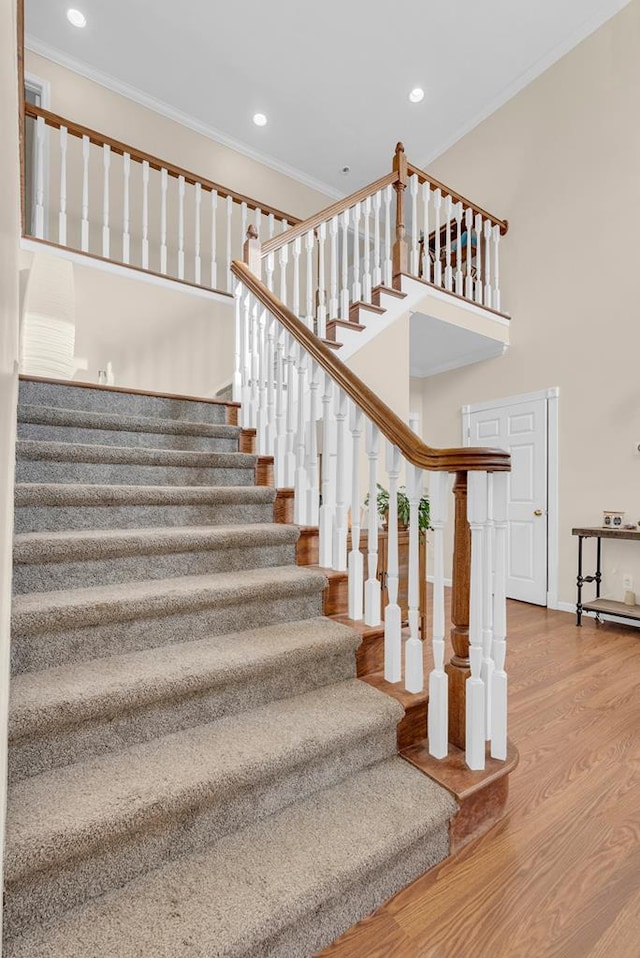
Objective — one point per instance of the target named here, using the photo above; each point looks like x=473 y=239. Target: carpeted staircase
x=194 y=768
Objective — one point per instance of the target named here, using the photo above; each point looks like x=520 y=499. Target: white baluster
x=246 y=359
x=243 y=221
x=459 y=284
x=181 y=191
x=126 y=209
x=62 y=215
x=392 y=616
x=197 y=264
x=448 y=272
x=280 y=432
x=283 y=258
x=376 y=278
x=257 y=216
x=414 y=666
x=355 y=224
x=356 y=564
x=313 y=505
x=214 y=231
x=84 y=229
x=366 y=274
x=106 y=164
x=372 y=594
x=496 y=268
x=271 y=225
x=145 y=214
x=487 y=263
x=295 y=302
x=271 y=386
x=270 y=262
x=414 y=259
x=327 y=509
x=228 y=242
x=239 y=345
x=333 y=293
x=426 y=261
x=499 y=676
x=438 y=717
x=322 y=293
x=388 y=265
x=474 y=688
x=164 y=185
x=255 y=365
x=39 y=204
x=263 y=374
x=437 y=266
x=290 y=458
x=301 y=479
x=487 y=607
x=340 y=528
x=468 y=285
x=309 y=241
x=344 y=281
x=479 y=286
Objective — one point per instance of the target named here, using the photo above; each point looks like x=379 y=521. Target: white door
x=521 y=429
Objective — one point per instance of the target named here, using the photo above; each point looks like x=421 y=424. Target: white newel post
x=487 y=608
x=340 y=526
x=499 y=676
x=438 y=714
x=356 y=564
x=373 y=590
x=475 y=690
x=414 y=667
x=392 y=615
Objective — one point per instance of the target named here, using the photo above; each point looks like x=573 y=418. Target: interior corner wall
x=561 y=161
x=91 y=104
x=9 y=313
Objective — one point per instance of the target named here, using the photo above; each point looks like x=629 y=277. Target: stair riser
x=121 y=404
x=121 y=855
x=46 y=470
x=32 y=650
x=65 y=745
x=54 y=518
x=48 y=577
x=108 y=437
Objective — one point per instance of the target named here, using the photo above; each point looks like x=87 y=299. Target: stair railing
x=110 y=200
x=294 y=388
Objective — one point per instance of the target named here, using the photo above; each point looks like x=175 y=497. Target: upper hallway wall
x=561 y=161
x=93 y=105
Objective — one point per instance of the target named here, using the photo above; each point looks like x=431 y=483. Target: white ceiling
x=333 y=76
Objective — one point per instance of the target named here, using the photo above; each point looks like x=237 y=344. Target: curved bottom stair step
x=284 y=887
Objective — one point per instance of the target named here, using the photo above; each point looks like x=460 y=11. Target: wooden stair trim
x=334 y=325
x=355 y=308
x=331 y=344
x=381 y=290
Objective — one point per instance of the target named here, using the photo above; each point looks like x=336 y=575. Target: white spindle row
x=452 y=246
x=320 y=439
x=98 y=200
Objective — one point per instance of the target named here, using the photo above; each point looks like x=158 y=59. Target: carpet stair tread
x=89 y=494
x=86 y=419
x=39 y=450
x=282 y=887
x=70 y=812
x=67 y=695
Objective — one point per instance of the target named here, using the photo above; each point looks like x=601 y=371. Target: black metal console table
x=598 y=605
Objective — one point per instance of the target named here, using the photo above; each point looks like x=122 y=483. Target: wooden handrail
x=390 y=425
x=328 y=213
x=99 y=139
x=447 y=191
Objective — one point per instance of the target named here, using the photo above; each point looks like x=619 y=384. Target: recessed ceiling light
x=416 y=95
x=76 y=18
x=259 y=119
x=345 y=169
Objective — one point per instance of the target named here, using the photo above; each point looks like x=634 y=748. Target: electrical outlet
x=627 y=582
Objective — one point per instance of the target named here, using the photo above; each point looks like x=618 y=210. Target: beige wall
x=561 y=161
x=9 y=234
x=95 y=106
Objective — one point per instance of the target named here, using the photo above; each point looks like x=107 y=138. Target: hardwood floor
x=560 y=875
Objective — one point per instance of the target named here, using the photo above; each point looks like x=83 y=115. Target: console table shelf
x=598 y=605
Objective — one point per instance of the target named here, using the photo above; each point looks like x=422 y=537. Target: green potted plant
x=404 y=509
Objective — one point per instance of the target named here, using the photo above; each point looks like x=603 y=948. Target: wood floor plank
x=560 y=875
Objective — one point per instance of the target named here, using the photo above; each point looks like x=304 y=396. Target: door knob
x=538 y=512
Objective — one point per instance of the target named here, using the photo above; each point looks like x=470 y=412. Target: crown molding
x=608 y=10
x=164 y=109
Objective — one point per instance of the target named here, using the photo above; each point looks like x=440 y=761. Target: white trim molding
x=551 y=396
x=171 y=113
